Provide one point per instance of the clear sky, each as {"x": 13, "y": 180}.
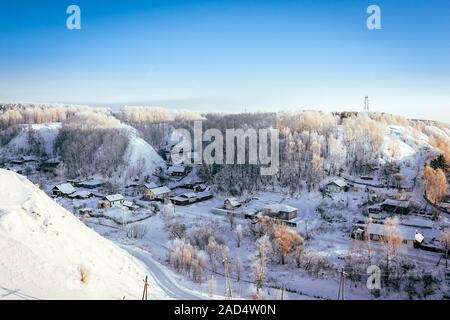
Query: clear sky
{"x": 230, "y": 55}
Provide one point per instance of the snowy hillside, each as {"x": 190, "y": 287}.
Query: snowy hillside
{"x": 140, "y": 155}
{"x": 47, "y": 253}
{"x": 46, "y": 133}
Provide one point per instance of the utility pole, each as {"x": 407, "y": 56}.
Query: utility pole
{"x": 144, "y": 294}
{"x": 341, "y": 284}
{"x": 228, "y": 292}
{"x": 366, "y": 104}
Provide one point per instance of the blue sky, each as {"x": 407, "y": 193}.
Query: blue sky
{"x": 230, "y": 55}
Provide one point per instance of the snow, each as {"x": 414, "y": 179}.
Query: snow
{"x": 65, "y": 188}
{"x": 114, "y": 197}
{"x": 140, "y": 155}
{"x": 43, "y": 249}
{"x": 47, "y": 131}
{"x": 160, "y": 190}
{"x": 278, "y": 207}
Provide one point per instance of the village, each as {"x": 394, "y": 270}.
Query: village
{"x": 337, "y": 220}
{"x": 176, "y": 186}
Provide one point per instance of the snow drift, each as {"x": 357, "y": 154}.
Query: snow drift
{"x": 47, "y": 253}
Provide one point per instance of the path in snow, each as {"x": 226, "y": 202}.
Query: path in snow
{"x": 159, "y": 274}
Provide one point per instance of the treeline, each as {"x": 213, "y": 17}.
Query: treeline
{"x": 140, "y": 114}
{"x": 29, "y": 113}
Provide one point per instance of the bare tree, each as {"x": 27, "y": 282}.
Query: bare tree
{"x": 260, "y": 259}
{"x": 238, "y": 234}
{"x": 392, "y": 241}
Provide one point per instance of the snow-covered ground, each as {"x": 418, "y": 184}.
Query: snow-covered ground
{"x": 47, "y": 253}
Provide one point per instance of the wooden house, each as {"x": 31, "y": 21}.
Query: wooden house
{"x": 62, "y": 190}
{"x": 280, "y": 211}
{"x": 158, "y": 193}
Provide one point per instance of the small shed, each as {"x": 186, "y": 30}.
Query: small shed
{"x": 130, "y": 205}
{"x": 64, "y": 189}
{"x": 231, "y": 203}
{"x": 80, "y": 194}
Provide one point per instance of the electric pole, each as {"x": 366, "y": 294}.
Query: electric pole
{"x": 144, "y": 294}
{"x": 341, "y": 284}
{"x": 366, "y": 104}
{"x": 228, "y": 292}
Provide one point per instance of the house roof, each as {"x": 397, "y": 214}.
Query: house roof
{"x": 340, "y": 183}
{"x": 129, "y": 204}
{"x": 189, "y": 195}
{"x": 278, "y": 207}
{"x": 396, "y": 203}
{"x": 81, "y": 194}
{"x": 176, "y": 168}
{"x": 233, "y": 201}
{"x": 92, "y": 182}
{"x": 52, "y": 161}
{"x": 65, "y": 188}
{"x": 114, "y": 197}
{"x": 152, "y": 185}
{"x": 29, "y": 158}
{"x": 178, "y": 198}
{"x": 380, "y": 229}
{"x": 160, "y": 190}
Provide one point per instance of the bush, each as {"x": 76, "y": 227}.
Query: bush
{"x": 84, "y": 274}
{"x": 136, "y": 231}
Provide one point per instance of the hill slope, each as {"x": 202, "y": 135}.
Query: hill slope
{"x": 45, "y": 252}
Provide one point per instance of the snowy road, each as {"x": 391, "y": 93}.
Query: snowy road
{"x": 161, "y": 276}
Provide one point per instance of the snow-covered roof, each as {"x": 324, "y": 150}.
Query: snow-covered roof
{"x": 233, "y": 201}
{"x": 152, "y": 185}
{"x": 419, "y": 237}
{"x": 160, "y": 190}
{"x": 92, "y": 182}
{"x": 65, "y": 188}
{"x": 52, "y": 161}
{"x": 189, "y": 195}
{"x": 340, "y": 183}
{"x": 81, "y": 194}
{"x": 417, "y": 222}
{"x": 176, "y": 168}
{"x": 380, "y": 229}
{"x": 278, "y": 207}
{"x": 114, "y": 197}
{"x": 29, "y": 158}
{"x": 396, "y": 203}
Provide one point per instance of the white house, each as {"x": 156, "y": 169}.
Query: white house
{"x": 114, "y": 200}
